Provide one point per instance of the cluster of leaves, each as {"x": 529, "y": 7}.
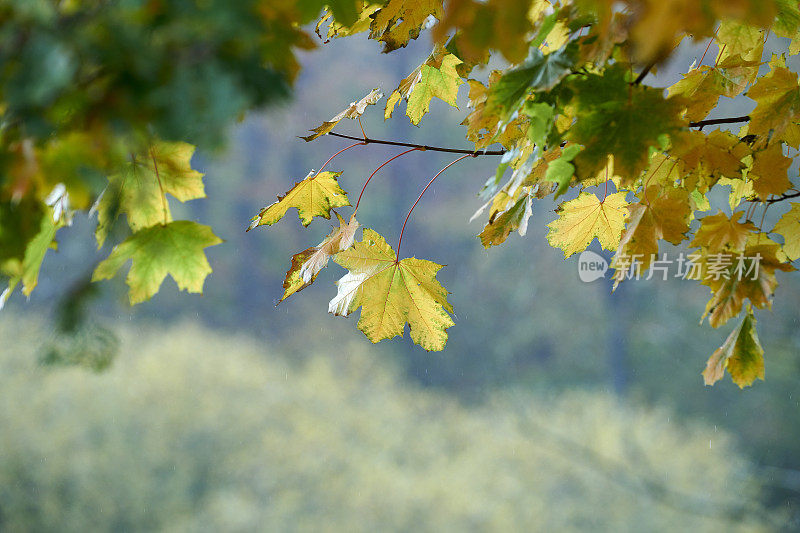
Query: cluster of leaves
{"x": 97, "y": 103}
{"x": 572, "y": 114}
{"x": 99, "y": 100}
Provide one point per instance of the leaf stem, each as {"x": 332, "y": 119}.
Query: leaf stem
{"x": 337, "y": 153}
{"x": 160, "y": 187}
{"x": 355, "y": 210}
{"x": 473, "y": 153}
{"x": 403, "y": 229}
{"x": 362, "y": 128}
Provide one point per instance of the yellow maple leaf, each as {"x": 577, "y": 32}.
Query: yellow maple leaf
{"x": 306, "y": 265}
{"x": 586, "y": 217}
{"x": 391, "y": 293}
{"x": 663, "y": 213}
{"x": 789, "y": 228}
{"x": 399, "y": 21}
{"x": 734, "y": 276}
{"x": 778, "y": 97}
{"x": 720, "y": 232}
{"x": 770, "y": 171}
{"x": 741, "y": 354}
{"x": 354, "y": 110}
{"x": 706, "y": 158}
{"x": 437, "y": 77}
{"x": 315, "y": 195}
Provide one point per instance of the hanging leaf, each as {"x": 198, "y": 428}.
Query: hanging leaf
{"x": 741, "y": 354}
{"x": 770, "y": 171}
{"x": 139, "y": 189}
{"x": 586, "y": 217}
{"x": 314, "y": 196}
{"x": 306, "y": 265}
{"x": 392, "y": 293}
{"x": 789, "y": 228}
{"x": 354, "y": 110}
{"x": 175, "y": 249}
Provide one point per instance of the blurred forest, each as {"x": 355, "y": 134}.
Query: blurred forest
{"x": 289, "y": 417}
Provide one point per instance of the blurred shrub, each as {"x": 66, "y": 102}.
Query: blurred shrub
{"x": 196, "y": 431}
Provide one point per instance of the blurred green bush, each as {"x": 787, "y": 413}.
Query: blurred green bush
{"x": 196, "y": 431}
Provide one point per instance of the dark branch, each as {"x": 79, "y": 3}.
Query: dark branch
{"x": 711, "y": 122}
{"x": 473, "y": 153}
{"x": 783, "y": 197}
{"x": 643, "y": 74}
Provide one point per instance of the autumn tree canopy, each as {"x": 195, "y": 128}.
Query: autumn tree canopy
{"x": 102, "y": 103}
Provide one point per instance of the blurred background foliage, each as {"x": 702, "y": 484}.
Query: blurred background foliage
{"x": 199, "y": 431}
{"x": 557, "y": 405}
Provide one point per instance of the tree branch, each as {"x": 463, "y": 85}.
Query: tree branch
{"x": 710, "y": 122}
{"x": 423, "y": 147}
{"x": 643, "y": 74}
{"x": 783, "y": 197}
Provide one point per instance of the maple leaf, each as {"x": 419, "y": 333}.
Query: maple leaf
{"x": 778, "y": 105}
{"x": 662, "y": 213}
{"x": 701, "y": 87}
{"x": 408, "y": 83}
{"x": 337, "y": 28}
{"x": 719, "y": 232}
{"x": 539, "y": 72}
{"x": 494, "y": 24}
{"x": 770, "y": 171}
{"x": 614, "y": 117}
{"x": 391, "y": 293}
{"x": 484, "y": 126}
{"x": 175, "y": 248}
{"x": 741, "y": 354}
{"x": 400, "y": 21}
{"x": 306, "y": 265}
{"x": 586, "y": 217}
{"x": 313, "y": 196}
{"x": 430, "y": 81}
{"x": 789, "y": 228}
{"x": 515, "y": 218}
{"x": 737, "y": 38}
{"x": 354, "y": 110}
{"x": 139, "y": 189}
{"x": 706, "y": 158}
{"x": 735, "y": 276}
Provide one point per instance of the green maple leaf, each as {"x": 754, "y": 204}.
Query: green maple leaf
{"x": 139, "y": 189}
{"x": 442, "y": 83}
{"x": 391, "y": 293}
{"x": 175, "y": 249}
{"x": 539, "y": 72}
{"x": 617, "y": 118}
{"x": 741, "y": 354}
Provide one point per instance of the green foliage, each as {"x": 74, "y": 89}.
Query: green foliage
{"x": 339, "y": 443}
{"x": 115, "y": 90}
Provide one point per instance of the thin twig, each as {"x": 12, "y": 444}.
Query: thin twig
{"x": 780, "y": 198}
{"x": 643, "y": 74}
{"x": 355, "y": 210}
{"x": 400, "y": 240}
{"x": 473, "y": 153}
